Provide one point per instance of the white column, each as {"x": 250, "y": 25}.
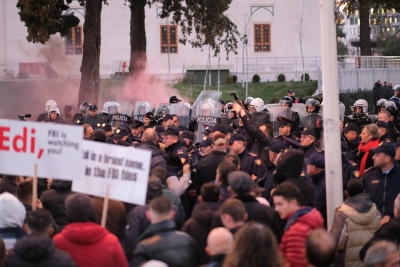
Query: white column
{"x": 330, "y": 88}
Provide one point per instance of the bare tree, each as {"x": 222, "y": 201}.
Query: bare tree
{"x": 303, "y": 30}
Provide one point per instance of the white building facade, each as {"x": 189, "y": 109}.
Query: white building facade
{"x": 276, "y": 30}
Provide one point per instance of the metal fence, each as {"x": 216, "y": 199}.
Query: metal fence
{"x": 363, "y": 79}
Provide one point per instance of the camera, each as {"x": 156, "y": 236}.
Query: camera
{"x": 22, "y": 117}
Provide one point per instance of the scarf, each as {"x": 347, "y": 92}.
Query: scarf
{"x": 365, "y": 148}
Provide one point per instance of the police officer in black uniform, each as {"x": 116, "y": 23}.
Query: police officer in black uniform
{"x": 92, "y": 118}
{"x": 285, "y": 133}
{"x": 349, "y": 167}
{"x": 82, "y": 112}
{"x": 382, "y": 181}
{"x": 249, "y": 162}
{"x": 307, "y": 141}
{"x": 384, "y": 134}
{"x": 173, "y": 145}
{"x": 193, "y": 151}
{"x": 351, "y": 137}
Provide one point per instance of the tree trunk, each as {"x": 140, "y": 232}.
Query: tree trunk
{"x": 138, "y": 61}
{"x": 365, "y": 39}
{"x": 90, "y": 79}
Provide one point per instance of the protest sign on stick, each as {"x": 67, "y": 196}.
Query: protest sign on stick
{"x": 56, "y": 149}
{"x": 124, "y": 170}
{"x": 105, "y": 208}
{"x": 34, "y": 188}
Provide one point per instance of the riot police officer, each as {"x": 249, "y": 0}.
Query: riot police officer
{"x": 92, "y": 118}
{"x": 173, "y": 145}
{"x": 287, "y": 102}
{"x": 82, "y": 112}
{"x": 249, "y": 162}
{"x": 285, "y": 136}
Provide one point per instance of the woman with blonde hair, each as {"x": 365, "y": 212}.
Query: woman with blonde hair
{"x": 255, "y": 246}
{"x": 369, "y": 139}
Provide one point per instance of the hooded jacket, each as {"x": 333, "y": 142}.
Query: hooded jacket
{"x": 199, "y": 226}
{"x": 89, "y": 245}
{"x": 53, "y": 200}
{"x": 11, "y": 220}
{"x": 34, "y": 250}
{"x": 157, "y": 156}
{"x": 354, "y": 223}
{"x": 299, "y": 225}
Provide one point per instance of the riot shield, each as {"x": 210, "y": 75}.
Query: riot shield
{"x": 277, "y": 111}
{"x": 123, "y": 115}
{"x": 299, "y": 108}
{"x": 342, "y": 109}
{"x": 208, "y": 114}
{"x": 182, "y": 111}
{"x": 261, "y": 118}
{"x": 141, "y": 108}
{"x": 162, "y": 109}
{"x": 311, "y": 120}
{"x": 204, "y": 95}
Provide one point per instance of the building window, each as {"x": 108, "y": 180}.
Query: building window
{"x": 169, "y": 39}
{"x": 73, "y": 41}
{"x": 262, "y": 38}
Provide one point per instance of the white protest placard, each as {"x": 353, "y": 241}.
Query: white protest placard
{"x": 56, "y": 149}
{"x": 125, "y": 170}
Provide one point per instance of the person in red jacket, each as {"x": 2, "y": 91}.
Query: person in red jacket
{"x": 300, "y": 222}
{"x": 88, "y": 243}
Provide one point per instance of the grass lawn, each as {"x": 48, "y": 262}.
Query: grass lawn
{"x": 266, "y": 91}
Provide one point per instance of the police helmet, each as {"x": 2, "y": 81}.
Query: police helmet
{"x": 381, "y": 103}
{"x": 49, "y": 104}
{"x": 397, "y": 88}
{"x": 286, "y": 100}
{"x": 247, "y": 101}
{"x": 84, "y": 106}
{"x": 363, "y": 104}
{"x": 54, "y": 109}
{"x": 312, "y": 102}
{"x": 257, "y": 103}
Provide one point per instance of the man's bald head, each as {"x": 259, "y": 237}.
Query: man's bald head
{"x": 150, "y": 135}
{"x": 219, "y": 241}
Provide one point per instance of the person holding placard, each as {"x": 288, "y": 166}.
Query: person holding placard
{"x": 89, "y": 244}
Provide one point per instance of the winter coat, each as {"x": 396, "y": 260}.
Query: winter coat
{"x": 116, "y": 216}
{"x": 262, "y": 214}
{"x": 34, "y": 250}
{"x": 162, "y": 242}
{"x": 138, "y": 223}
{"x": 318, "y": 183}
{"x": 207, "y": 168}
{"x": 89, "y": 244}
{"x": 390, "y": 231}
{"x": 157, "y": 156}
{"x": 383, "y": 188}
{"x": 199, "y": 226}
{"x": 8, "y": 186}
{"x": 299, "y": 225}
{"x": 53, "y": 200}
{"x": 354, "y": 223}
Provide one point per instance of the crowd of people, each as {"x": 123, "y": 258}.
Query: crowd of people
{"x": 248, "y": 190}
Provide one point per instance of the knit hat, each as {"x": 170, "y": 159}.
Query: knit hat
{"x": 12, "y": 211}
{"x": 79, "y": 208}
{"x": 68, "y": 108}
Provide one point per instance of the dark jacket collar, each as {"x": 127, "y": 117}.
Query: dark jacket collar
{"x": 217, "y": 258}
{"x": 246, "y": 198}
{"x": 164, "y": 226}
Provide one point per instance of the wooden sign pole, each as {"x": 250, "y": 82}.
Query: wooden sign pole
{"x": 34, "y": 188}
{"x": 105, "y": 208}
